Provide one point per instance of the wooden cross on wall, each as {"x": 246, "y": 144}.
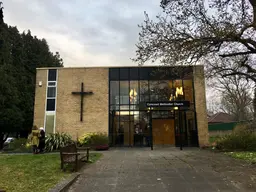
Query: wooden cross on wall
{"x": 82, "y": 93}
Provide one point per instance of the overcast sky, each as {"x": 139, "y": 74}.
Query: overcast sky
{"x": 85, "y": 32}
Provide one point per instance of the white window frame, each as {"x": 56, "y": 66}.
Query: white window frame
{"x": 46, "y": 97}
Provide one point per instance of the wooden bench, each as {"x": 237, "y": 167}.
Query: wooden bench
{"x": 70, "y": 155}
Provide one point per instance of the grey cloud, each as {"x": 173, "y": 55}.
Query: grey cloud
{"x": 103, "y": 26}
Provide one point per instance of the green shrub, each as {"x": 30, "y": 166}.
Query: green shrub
{"x": 213, "y": 139}
{"x": 93, "y": 139}
{"x": 54, "y": 141}
{"x": 248, "y": 156}
{"x": 19, "y": 145}
{"x": 240, "y": 141}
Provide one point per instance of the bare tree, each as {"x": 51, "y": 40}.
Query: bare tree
{"x": 213, "y": 105}
{"x": 221, "y": 34}
{"x": 236, "y": 96}
{"x": 211, "y": 32}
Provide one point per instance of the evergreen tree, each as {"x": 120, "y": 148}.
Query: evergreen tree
{"x": 20, "y": 55}
{"x": 1, "y": 13}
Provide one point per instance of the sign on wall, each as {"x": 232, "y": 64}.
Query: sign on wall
{"x": 169, "y": 104}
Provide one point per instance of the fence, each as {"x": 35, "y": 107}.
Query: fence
{"x": 222, "y": 128}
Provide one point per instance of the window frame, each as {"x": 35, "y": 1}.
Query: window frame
{"x": 51, "y": 83}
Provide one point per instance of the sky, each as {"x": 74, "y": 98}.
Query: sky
{"x": 84, "y": 32}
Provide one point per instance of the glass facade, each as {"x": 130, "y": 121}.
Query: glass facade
{"x": 132, "y": 123}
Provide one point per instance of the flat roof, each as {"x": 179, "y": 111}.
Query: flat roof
{"x": 129, "y": 66}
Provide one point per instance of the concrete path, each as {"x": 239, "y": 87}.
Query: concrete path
{"x": 161, "y": 170}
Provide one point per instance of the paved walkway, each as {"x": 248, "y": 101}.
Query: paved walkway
{"x": 162, "y": 170}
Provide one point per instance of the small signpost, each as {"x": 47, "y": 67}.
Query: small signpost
{"x": 169, "y": 104}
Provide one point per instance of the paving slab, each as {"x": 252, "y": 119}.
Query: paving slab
{"x": 164, "y": 170}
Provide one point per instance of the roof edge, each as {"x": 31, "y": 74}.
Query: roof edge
{"x": 44, "y": 68}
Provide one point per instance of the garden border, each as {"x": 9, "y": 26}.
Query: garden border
{"x": 64, "y": 185}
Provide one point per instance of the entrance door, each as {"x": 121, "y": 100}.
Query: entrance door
{"x": 163, "y": 131}
{"x": 128, "y": 130}
{"x": 123, "y": 126}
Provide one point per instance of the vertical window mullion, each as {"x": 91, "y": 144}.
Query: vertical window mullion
{"x": 149, "y": 91}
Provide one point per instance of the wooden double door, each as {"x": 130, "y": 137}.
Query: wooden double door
{"x": 163, "y": 131}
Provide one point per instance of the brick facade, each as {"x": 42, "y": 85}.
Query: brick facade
{"x": 200, "y": 105}
{"x": 95, "y": 116}
{"x": 95, "y": 113}
{"x": 40, "y": 97}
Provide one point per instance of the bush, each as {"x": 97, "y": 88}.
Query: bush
{"x": 93, "y": 139}
{"x": 239, "y": 140}
{"x": 54, "y": 141}
{"x": 19, "y": 145}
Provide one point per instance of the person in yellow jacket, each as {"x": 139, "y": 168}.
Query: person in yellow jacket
{"x": 35, "y": 138}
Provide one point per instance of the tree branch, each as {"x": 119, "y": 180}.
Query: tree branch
{"x": 235, "y": 54}
{"x": 253, "y": 3}
{"x": 240, "y": 73}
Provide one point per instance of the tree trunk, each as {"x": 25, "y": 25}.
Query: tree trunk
{"x": 2, "y": 140}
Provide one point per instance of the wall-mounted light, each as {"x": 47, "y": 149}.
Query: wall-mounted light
{"x": 40, "y": 83}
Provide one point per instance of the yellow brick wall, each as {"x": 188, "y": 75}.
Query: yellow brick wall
{"x": 200, "y": 105}
{"x": 95, "y": 115}
{"x": 40, "y": 96}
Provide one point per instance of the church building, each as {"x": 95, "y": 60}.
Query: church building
{"x": 135, "y": 106}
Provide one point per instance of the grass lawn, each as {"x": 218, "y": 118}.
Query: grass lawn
{"x": 32, "y": 172}
{"x": 248, "y": 156}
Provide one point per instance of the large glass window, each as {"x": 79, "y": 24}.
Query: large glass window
{"x": 144, "y": 73}
{"x": 114, "y": 92}
{"x": 134, "y": 73}
{"x": 191, "y": 129}
{"x": 154, "y": 90}
{"x": 124, "y": 73}
{"x": 51, "y": 92}
{"x": 50, "y": 105}
{"x": 134, "y": 92}
{"x": 52, "y": 74}
{"x": 114, "y": 73}
{"x": 160, "y": 90}
{"x": 144, "y": 91}
{"x": 131, "y": 88}
{"x": 49, "y": 123}
{"x": 178, "y": 89}
{"x": 124, "y": 92}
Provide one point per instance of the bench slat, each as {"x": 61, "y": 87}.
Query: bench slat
{"x": 70, "y": 154}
